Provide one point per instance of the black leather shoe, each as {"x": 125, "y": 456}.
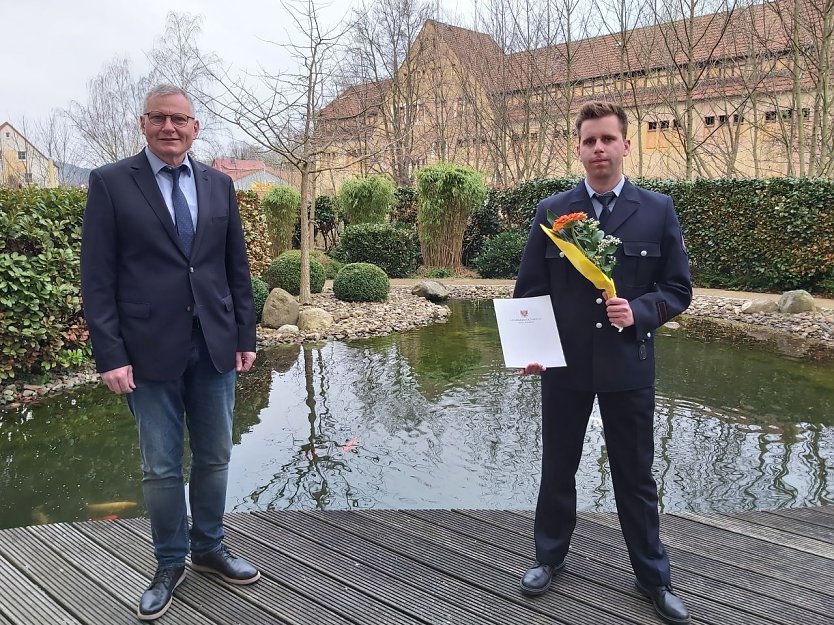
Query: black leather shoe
{"x": 667, "y": 605}
{"x": 157, "y": 598}
{"x": 231, "y": 568}
{"x": 537, "y": 579}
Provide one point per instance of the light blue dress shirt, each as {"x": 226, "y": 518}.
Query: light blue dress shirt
{"x": 166, "y": 184}
{"x": 596, "y": 203}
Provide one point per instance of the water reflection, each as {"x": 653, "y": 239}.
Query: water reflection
{"x": 430, "y": 418}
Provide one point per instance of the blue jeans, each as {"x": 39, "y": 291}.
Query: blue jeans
{"x": 203, "y": 399}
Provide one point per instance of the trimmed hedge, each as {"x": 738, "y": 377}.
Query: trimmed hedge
{"x": 501, "y": 257}
{"x": 361, "y": 282}
{"x": 260, "y": 291}
{"x": 41, "y": 325}
{"x": 285, "y": 273}
{"x": 395, "y": 250}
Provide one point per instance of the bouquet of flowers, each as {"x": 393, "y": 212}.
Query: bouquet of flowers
{"x": 587, "y": 247}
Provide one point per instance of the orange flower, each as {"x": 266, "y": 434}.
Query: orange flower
{"x": 568, "y": 220}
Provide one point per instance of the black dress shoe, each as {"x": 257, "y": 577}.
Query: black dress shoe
{"x": 668, "y": 606}
{"x": 231, "y": 568}
{"x": 157, "y": 598}
{"x": 537, "y": 579}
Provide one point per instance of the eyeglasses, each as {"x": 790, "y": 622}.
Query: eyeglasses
{"x": 158, "y": 119}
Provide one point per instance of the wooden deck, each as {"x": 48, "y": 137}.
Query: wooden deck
{"x": 455, "y": 567}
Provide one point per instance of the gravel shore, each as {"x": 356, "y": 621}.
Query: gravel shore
{"x": 803, "y": 335}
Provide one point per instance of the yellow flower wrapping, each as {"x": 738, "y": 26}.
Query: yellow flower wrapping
{"x": 582, "y": 264}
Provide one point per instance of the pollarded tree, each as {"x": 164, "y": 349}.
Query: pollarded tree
{"x": 280, "y": 207}
{"x": 366, "y": 199}
{"x": 447, "y": 195}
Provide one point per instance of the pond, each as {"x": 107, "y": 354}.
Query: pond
{"x": 431, "y": 419}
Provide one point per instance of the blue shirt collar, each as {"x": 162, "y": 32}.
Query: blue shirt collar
{"x": 157, "y": 163}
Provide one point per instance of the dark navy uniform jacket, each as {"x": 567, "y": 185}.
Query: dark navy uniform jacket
{"x": 140, "y": 289}
{"x": 652, "y": 273}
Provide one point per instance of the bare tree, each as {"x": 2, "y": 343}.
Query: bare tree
{"x": 107, "y": 123}
{"x": 56, "y": 137}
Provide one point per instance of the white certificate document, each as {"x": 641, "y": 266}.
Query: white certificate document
{"x": 528, "y": 332}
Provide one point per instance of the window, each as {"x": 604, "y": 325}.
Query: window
{"x": 664, "y": 125}
{"x": 27, "y": 177}
{"x": 709, "y": 120}
{"x": 21, "y": 155}
{"x": 652, "y": 126}
{"x": 534, "y": 136}
{"x": 675, "y": 123}
{"x": 770, "y": 116}
{"x": 787, "y": 114}
{"x": 738, "y": 119}
{"x": 722, "y": 119}
{"x": 806, "y": 113}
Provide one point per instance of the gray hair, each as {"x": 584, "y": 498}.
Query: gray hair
{"x": 167, "y": 89}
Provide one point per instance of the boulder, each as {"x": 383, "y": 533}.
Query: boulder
{"x": 431, "y": 290}
{"x": 280, "y": 308}
{"x": 796, "y": 302}
{"x": 314, "y": 320}
{"x": 288, "y": 329}
{"x": 759, "y": 306}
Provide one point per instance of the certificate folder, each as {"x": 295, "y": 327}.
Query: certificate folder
{"x": 528, "y": 332}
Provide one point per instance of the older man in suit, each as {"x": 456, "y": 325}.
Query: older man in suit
{"x": 168, "y": 300}
{"x": 616, "y": 367}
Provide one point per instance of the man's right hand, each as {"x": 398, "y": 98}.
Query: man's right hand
{"x": 120, "y": 380}
{"x": 532, "y": 368}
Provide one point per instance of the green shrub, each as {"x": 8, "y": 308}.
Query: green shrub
{"x": 437, "y": 272}
{"x": 281, "y": 206}
{"x": 41, "y": 323}
{"x": 330, "y": 264}
{"x": 501, "y": 257}
{"x": 392, "y": 249}
{"x": 366, "y": 199}
{"x": 448, "y": 194}
{"x": 327, "y": 220}
{"x": 405, "y": 208}
{"x": 260, "y": 291}
{"x": 285, "y": 273}
{"x": 484, "y": 223}
{"x": 517, "y": 205}
{"x": 361, "y": 282}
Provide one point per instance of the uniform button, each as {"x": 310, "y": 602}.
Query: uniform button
{"x": 188, "y": 308}
{"x": 191, "y": 269}
{"x": 642, "y": 252}
{"x": 599, "y": 300}
{"x": 561, "y": 254}
{"x": 599, "y": 325}
{"x": 649, "y": 334}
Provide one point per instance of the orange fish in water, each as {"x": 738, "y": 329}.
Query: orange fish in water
{"x": 109, "y": 517}
{"x": 350, "y": 445}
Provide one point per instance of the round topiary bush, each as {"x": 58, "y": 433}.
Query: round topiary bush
{"x": 501, "y": 257}
{"x": 285, "y": 273}
{"x": 260, "y": 291}
{"x": 361, "y": 282}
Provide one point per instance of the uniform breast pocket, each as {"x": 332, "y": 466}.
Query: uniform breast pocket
{"x": 638, "y": 263}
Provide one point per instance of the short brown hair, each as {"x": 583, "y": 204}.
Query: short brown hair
{"x": 597, "y": 109}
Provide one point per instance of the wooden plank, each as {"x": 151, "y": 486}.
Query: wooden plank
{"x": 588, "y": 534}
{"x": 495, "y": 576}
{"x": 790, "y": 524}
{"x": 815, "y": 516}
{"x": 3, "y": 619}
{"x": 767, "y": 534}
{"x": 117, "y": 577}
{"x": 86, "y": 600}
{"x": 488, "y": 605}
{"x": 24, "y": 603}
{"x": 701, "y": 592}
{"x": 419, "y": 605}
{"x": 264, "y": 602}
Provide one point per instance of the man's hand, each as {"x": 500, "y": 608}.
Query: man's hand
{"x": 120, "y": 380}
{"x": 244, "y": 361}
{"x": 532, "y": 369}
{"x": 619, "y": 311}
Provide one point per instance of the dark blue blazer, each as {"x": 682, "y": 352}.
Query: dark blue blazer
{"x": 139, "y": 288}
{"x": 652, "y": 273}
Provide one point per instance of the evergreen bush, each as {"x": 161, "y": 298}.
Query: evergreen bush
{"x": 392, "y": 249}
{"x": 260, "y": 291}
{"x": 500, "y": 257}
{"x": 285, "y": 273}
{"x": 361, "y": 282}
{"x": 281, "y": 206}
{"x": 366, "y": 199}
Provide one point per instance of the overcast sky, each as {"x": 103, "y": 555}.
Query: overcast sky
{"x": 51, "y": 48}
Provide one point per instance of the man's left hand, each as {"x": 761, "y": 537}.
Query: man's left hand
{"x": 244, "y": 361}
{"x": 619, "y": 312}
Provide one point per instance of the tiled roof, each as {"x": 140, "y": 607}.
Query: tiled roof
{"x": 356, "y": 99}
